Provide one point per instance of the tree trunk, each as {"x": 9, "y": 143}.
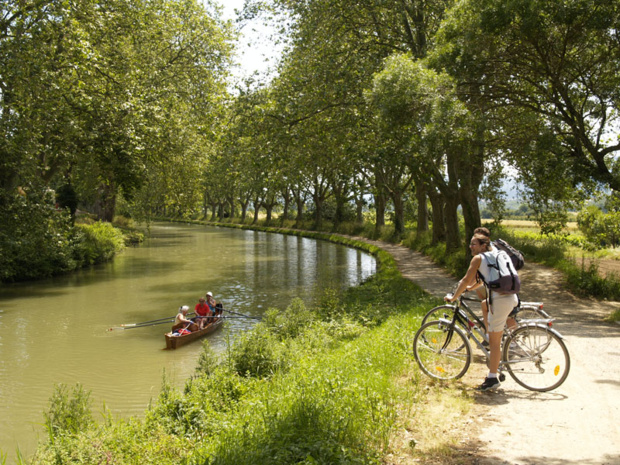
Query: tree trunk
{"x": 399, "y": 213}
{"x": 422, "y": 217}
{"x": 439, "y": 228}
{"x": 453, "y": 239}
{"x": 359, "y": 208}
{"x": 105, "y": 205}
{"x": 286, "y": 196}
{"x": 471, "y": 211}
{"x": 204, "y": 205}
{"x": 231, "y": 203}
{"x": 257, "y": 204}
{"x": 471, "y": 175}
{"x": 380, "y": 205}
{"x": 300, "y": 201}
{"x": 318, "y": 210}
{"x": 244, "y": 208}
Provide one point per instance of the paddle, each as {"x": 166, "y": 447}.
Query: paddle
{"x": 147, "y": 322}
{"x": 241, "y": 314}
{"x": 144, "y": 324}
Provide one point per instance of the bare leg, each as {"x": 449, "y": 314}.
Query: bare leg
{"x": 495, "y": 342}
{"x": 485, "y": 315}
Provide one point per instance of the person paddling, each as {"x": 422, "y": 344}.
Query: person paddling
{"x": 203, "y": 313}
{"x": 213, "y": 305}
{"x": 182, "y": 322}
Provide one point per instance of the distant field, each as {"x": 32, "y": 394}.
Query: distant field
{"x": 528, "y": 224}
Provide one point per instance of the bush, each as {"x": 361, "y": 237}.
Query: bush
{"x": 258, "y": 353}
{"x": 39, "y": 241}
{"x": 97, "y": 243}
{"x": 35, "y": 239}
{"x": 291, "y": 322}
{"x": 602, "y": 229}
{"x": 68, "y": 414}
{"x": 586, "y": 280}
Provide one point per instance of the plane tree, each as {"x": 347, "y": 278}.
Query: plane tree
{"x": 556, "y": 59}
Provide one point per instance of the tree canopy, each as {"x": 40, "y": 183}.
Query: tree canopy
{"x": 415, "y": 109}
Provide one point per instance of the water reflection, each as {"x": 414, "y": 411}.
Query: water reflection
{"x": 54, "y": 331}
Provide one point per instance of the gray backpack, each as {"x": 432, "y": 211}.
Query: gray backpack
{"x": 503, "y": 277}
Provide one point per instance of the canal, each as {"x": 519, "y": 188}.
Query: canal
{"x": 57, "y": 331}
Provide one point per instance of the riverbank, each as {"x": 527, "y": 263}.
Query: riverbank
{"x": 351, "y": 357}
{"x": 323, "y": 384}
{"x": 63, "y": 246}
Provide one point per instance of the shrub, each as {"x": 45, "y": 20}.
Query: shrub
{"x": 68, "y": 414}
{"x": 97, "y": 243}
{"x": 291, "y": 322}
{"x": 258, "y": 353}
{"x": 35, "y": 239}
{"x": 586, "y": 280}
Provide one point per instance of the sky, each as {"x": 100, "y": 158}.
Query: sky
{"x": 256, "y": 52}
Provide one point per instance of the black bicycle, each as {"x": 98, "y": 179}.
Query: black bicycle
{"x": 524, "y": 312}
{"x": 534, "y": 354}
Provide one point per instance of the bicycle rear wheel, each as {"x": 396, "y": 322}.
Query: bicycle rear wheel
{"x": 536, "y": 358}
{"x": 442, "y": 350}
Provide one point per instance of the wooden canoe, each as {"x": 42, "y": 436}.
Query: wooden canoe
{"x": 172, "y": 342}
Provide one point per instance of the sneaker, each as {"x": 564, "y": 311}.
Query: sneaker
{"x": 490, "y": 384}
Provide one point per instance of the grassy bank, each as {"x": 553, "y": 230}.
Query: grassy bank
{"x": 331, "y": 384}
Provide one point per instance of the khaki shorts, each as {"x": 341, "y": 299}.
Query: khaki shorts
{"x": 501, "y": 307}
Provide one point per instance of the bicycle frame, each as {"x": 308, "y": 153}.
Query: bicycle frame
{"x": 472, "y": 323}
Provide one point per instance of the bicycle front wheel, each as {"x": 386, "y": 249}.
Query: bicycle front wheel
{"x": 536, "y": 358}
{"x": 443, "y": 311}
{"x": 442, "y": 350}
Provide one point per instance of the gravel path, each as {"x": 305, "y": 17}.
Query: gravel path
{"x": 578, "y": 423}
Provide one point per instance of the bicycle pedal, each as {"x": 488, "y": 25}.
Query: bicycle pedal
{"x": 502, "y": 377}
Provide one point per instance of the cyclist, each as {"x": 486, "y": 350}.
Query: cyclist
{"x": 500, "y": 306}
{"x": 481, "y": 291}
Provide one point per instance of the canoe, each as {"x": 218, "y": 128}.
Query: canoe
{"x": 172, "y": 342}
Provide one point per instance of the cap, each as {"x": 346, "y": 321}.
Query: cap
{"x": 184, "y": 308}
{"x": 209, "y": 294}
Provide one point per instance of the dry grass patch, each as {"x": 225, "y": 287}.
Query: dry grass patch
{"x": 439, "y": 426}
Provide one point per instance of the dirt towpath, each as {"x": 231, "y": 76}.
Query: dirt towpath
{"x": 578, "y": 423}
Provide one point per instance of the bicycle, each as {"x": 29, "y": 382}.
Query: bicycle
{"x": 524, "y": 312}
{"x": 533, "y": 354}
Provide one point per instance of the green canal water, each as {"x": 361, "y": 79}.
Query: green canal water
{"x": 57, "y": 331}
